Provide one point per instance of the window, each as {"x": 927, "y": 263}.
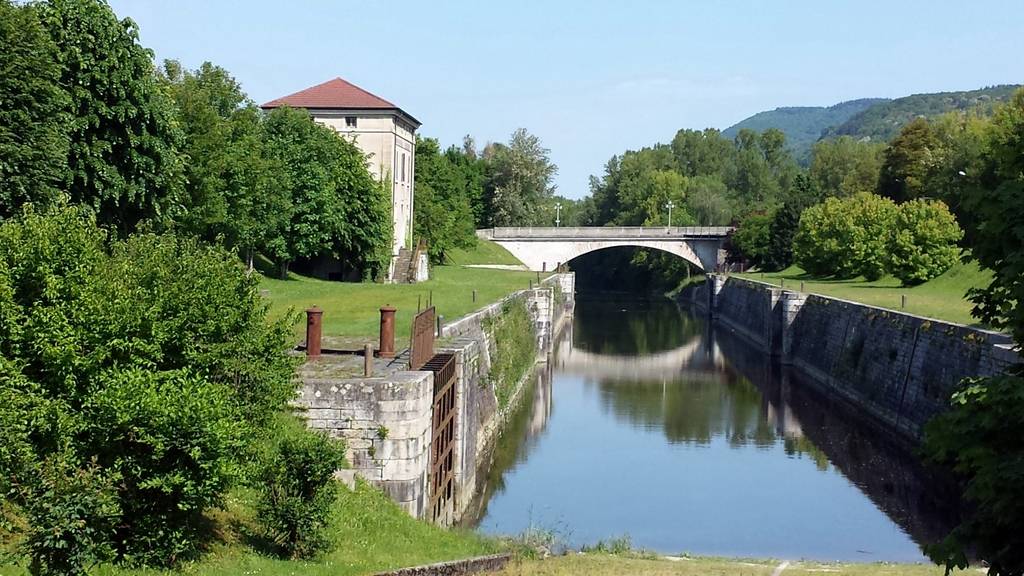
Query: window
{"x": 350, "y": 121}
{"x": 403, "y": 166}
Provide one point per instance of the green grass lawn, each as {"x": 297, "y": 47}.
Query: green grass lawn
{"x": 351, "y": 310}
{"x": 941, "y": 298}
{"x": 485, "y": 252}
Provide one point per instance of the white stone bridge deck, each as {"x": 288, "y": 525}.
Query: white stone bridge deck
{"x": 544, "y": 248}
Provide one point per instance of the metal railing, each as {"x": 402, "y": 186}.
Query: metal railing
{"x": 604, "y": 232}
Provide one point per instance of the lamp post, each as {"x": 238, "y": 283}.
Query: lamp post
{"x": 558, "y": 214}
{"x": 670, "y": 205}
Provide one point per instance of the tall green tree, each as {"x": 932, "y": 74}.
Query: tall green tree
{"x": 233, "y": 192}
{"x": 337, "y": 208}
{"x": 122, "y": 159}
{"x": 844, "y": 166}
{"x": 443, "y": 212}
{"x": 33, "y": 111}
{"x": 980, "y": 436}
{"x": 519, "y": 180}
{"x": 908, "y": 161}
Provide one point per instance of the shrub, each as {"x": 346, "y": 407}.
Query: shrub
{"x": 138, "y": 356}
{"x": 71, "y": 516}
{"x": 298, "y": 490}
{"x": 845, "y": 237}
{"x": 171, "y": 437}
{"x": 923, "y": 241}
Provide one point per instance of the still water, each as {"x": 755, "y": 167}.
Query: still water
{"x": 649, "y": 424}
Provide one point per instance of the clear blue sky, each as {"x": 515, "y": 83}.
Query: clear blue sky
{"x": 593, "y": 78}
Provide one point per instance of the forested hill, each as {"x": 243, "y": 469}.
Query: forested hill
{"x": 876, "y": 119}
{"x": 883, "y": 121}
{"x": 804, "y": 125}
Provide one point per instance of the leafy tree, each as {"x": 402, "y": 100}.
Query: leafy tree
{"x": 923, "y": 241}
{"x": 908, "y": 160}
{"x": 980, "y": 435}
{"x": 519, "y": 180}
{"x": 752, "y": 237}
{"x": 33, "y": 111}
{"x": 232, "y": 190}
{"x": 443, "y": 213}
{"x": 704, "y": 153}
{"x": 844, "y": 166}
{"x": 707, "y": 198}
{"x": 786, "y": 220}
{"x": 337, "y": 209}
{"x": 122, "y": 160}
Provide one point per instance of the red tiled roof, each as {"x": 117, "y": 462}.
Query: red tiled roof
{"x": 336, "y": 93}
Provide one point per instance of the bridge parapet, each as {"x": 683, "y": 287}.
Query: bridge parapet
{"x": 603, "y": 232}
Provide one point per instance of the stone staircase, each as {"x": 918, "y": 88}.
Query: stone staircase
{"x": 403, "y": 266}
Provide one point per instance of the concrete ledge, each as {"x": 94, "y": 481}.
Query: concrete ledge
{"x": 476, "y": 565}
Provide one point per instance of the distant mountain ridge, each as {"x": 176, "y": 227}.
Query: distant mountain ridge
{"x": 803, "y": 125}
{"x": 877, "y": 119}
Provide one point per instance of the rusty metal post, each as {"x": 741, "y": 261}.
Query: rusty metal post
{"x": 314, "y": 316}
{"x": 387, "y": 331}
{"x": 368, "y": 360}
{"x": 440, "y": 325}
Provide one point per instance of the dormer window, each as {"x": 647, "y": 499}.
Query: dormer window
{"x": 350, "y": 121}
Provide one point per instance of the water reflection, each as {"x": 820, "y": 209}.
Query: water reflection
{"x": 648, "y": 422}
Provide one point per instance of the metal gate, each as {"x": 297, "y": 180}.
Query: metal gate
{"x": 442, "y": 437}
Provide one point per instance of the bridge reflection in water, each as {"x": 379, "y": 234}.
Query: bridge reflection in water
{"x": 752, "y": 460}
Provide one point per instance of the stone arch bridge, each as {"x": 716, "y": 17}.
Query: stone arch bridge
{"x": 544, "y": 248}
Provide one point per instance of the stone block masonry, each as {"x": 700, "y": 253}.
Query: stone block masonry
{"x": 386, "y": 420}
{"x": 898, "y": 368}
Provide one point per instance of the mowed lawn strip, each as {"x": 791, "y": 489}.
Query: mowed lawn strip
{"x": 942, "y": 298}
{"x": 613, "y": 565}
{"x": 352, "y": 310}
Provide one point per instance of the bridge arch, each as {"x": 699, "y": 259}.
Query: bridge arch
{"x": 679, "y": 249}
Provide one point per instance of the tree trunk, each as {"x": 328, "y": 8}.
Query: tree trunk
{"x": 284, "y": 269}
{"x": 249, "y": 260}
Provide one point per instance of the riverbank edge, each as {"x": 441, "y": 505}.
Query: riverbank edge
{"x": 899, "y": 369}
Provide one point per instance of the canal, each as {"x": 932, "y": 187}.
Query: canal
{"x": 650, "y": 424}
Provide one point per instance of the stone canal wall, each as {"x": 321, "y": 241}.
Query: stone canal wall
{"x": 899, "y": 368}
{"x": 386, "y": 421}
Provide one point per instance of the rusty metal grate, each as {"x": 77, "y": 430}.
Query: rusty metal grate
{"x": 422, "y": 340}
{"x": 442, "y": 438}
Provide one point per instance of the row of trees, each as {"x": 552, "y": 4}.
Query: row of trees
{"x": 460, "y": 189}
{"x": 84, "y": 113}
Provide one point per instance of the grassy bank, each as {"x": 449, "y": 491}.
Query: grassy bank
{"x": 942, "y": 298}
{"x": 351, "y": 309}
{"x": 485, "y": 252}
{"x": 598, "y": 564}
{"x": 369, "y": 532}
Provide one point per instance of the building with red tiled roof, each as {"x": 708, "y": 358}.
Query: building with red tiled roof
{"x": 382, "y": 130}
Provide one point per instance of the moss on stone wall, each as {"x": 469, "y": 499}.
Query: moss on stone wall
{"x": 514, "y": 350}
